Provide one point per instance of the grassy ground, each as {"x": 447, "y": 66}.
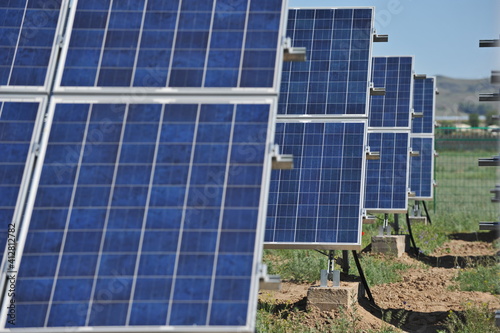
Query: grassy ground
{"x": 462, "y": 200}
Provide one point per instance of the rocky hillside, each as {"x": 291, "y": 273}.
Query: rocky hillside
{"x": 454, "y": 92}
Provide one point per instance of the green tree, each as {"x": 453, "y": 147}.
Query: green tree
{"x": 474, "y": 120}
{"x": 489, "y": 118}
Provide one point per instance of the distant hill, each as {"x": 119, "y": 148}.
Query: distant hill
{"x": 452, "y": 92}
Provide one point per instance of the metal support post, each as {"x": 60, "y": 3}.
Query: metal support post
{"x": 427, "y": 213}
{"x": 411, "y": 235}
{"x": 362, "y": 276}
{"x": 345, "y": 262}
{"x": 396, "y": 224}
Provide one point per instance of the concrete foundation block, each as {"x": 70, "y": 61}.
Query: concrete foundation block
{"x": 418, "y": 219}
{"x": 333, "y": 298}
{"x": 394, "y": 245}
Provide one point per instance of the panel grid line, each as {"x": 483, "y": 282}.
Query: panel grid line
{"x": 346, "y": 111}
{"x": 68, "y": 218}
{"x": 17, "y": 43}
{"x": 145, "y": 217}
{"x": 303, "y": 136}
{"x": 320, "y": 181}
{"x": 207, "y": 52}
{"x": 106, "y": 221}
{"x": 244, "y": 42}
{"x": 219, "y": 227}
{"x": 139, "y": 40}
{"x": 184, "y": 210}
{"x": 103, "y": 42}
{"x": 340, "y": 185}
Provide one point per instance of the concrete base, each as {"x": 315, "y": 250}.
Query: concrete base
{"x": 333, "y": 298}
{"x": 418, "y": 219}
{"x": 394, "y": 245}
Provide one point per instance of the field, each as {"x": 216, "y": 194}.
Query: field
{"x": 452, "y": 286}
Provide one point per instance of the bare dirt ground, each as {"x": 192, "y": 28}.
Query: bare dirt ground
{"x": 422, "y": 301}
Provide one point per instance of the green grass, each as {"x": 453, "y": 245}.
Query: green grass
{"x": 295, "y": 265}
{"x": 475, "y": 319}
{"x": 269, "y": 322}
{"x": 462, "y": 197}
{"x": 291, "y": 320}
{"x": 380, "y": 270}
{"x": 480, "y": 278}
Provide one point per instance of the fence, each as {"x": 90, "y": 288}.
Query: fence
{"x": 463, "y": 186}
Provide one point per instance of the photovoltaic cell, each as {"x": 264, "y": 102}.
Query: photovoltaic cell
{"x": 334, "y": 79}
{"x": 422, "y": 168}
{"x": 387, "y": 178}
{"x": 146, "y": 214}
{"x": 423, "y": 102}
{"x": 28, "y": 29}
{"x": 175, "y": 43}
{"x": 318, "y": 203}
{"x": 395, "y": 74}
{"x": 17, "y": 124}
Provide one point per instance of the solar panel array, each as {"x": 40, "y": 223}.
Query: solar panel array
{"x": 142, "y": 210}
{"x": 157, "y": 204}
{"x": 387, "y": 177}
{"x": 173, "y": 44}
{"x": 318, "y": 203}
{"x": 334, "y": 80}
{"x": 422, "y": 168}
{"x": 422, "y": 138}
{"x": 28, "y": 37}
{"x": 424, "y": 103}
{"x": 395, "y": 74}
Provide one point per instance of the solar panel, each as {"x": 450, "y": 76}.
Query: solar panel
{"x": 28, "y": 37}
{"x": 424, "y": 103}
{"x": 334, "y": 79}
{"x": 422, "y": 168}
{"x": 387, "y": 178}
{"x": 395, "y": 74}
{"x": 318, "y": 203}
{"x": 173, "y": 44}
{"x": 147, "y": 215}
{"x": 18, "y": 132}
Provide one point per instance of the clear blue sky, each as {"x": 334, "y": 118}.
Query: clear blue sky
{"x": 443, "y": 35}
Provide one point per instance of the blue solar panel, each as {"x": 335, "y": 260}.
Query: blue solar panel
{"x": 395, "y": 74}
{"x": 318, "y": 203}
{"x": 146, "y": 214}
{"x": 424, "y": 102}
{"x": 174, "y": 43}
{"x": 28, "y": 29}
{"x": 17, "y": 124}
{"x": 387, "y": 178}
{"x": 334, "y": 79}
{"x": 422, "y": 168}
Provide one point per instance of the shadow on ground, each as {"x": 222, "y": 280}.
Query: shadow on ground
{"x": 408, "y": 320}
{"x": 476, "y": 236}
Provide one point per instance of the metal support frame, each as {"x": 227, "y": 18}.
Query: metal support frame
{"x": 395, "y": 226}
{"x": 411, "y": 235}
{"x": 489, "y": 43}
{"x": 489, "y": 97}
{"x": 380, "y": 38}
{"x": 363, "y": 278}
{"x": 427, "y": 213}
{"x": 345, "y": 262}
{"x": 494, "y": 161}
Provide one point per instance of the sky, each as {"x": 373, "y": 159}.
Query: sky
{"x": 443, "y": 35}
